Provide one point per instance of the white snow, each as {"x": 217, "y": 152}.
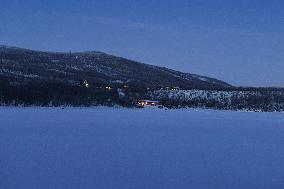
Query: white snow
{"x": 120, "y": 92}
{"x": 140, "y": 148}
{"x": 19, "y": 73}
{"x": 200, "y": 77}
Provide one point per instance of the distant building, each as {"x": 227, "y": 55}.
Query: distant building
{"x": 175, "y": 88}
{"x": 144, "y": 103}
{"x": 86, "y": 84}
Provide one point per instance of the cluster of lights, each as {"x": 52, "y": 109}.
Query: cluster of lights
{"x": 147, "y": 103}
{"x": 172, "y": 88}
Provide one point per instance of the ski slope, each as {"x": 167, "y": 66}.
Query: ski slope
{"x": 116, "y": 148}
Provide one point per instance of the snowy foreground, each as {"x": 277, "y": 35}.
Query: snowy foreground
{"x": 108, "y": 148}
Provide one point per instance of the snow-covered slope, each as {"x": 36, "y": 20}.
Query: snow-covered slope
{"x": 96, "y": 67}
{"x": 29, "y": 77}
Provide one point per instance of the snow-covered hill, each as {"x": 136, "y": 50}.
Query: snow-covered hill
{"x": 29, "y": 77}
{"x": 96, "y": 67}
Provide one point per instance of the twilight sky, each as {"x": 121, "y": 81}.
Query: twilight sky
{"x": 238, "y": 41}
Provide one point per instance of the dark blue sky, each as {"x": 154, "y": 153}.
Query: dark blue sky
{"x": 239, "y": 41}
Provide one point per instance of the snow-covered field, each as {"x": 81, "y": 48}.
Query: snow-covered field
{"x": 109, "y": 148}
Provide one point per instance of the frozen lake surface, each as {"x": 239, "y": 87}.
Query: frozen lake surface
{"x": 108, "y": 148}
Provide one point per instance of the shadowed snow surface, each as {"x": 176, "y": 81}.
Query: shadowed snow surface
{"x": 105, "y": 148}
